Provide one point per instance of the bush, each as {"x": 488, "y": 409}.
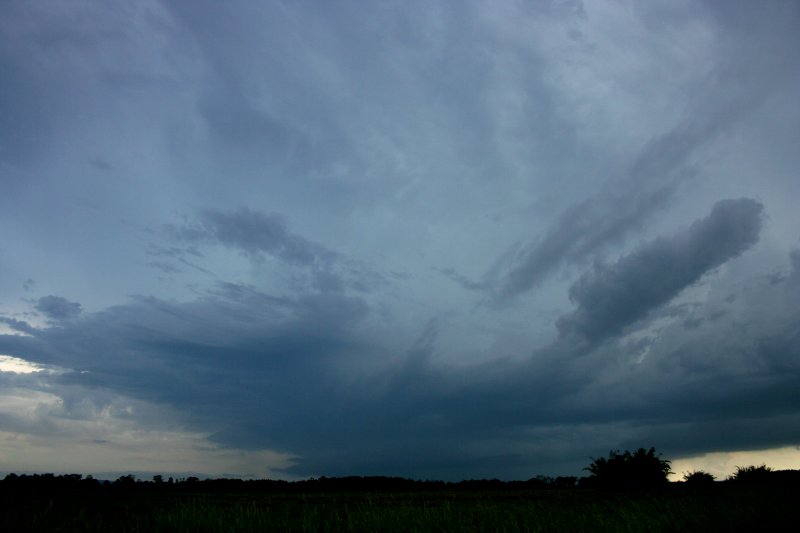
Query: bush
{"x": 752, "y": 475}
{"x": 641, "y": 469}
{"x": 698, "y": 478}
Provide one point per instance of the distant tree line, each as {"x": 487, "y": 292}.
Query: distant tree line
{"x": 641, "y": 469}
{"x": 75, "y": 482}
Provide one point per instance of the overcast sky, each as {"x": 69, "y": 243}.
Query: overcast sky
{"x": 430, "y": 239}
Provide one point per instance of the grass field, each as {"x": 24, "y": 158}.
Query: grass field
{"x": 722, "y": 508}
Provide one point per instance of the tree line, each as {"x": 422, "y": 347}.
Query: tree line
{"x": 637, "y": 470}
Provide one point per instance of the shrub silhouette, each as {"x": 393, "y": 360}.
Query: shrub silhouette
{"x": 752, "y": 475}
{"x": 640, "y": 469}
{"x": 698, "y": 478}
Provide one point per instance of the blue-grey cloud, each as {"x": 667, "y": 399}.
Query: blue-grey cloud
{"x": 581, "y": 230}
{"x": 652, "y": 180}
{"x": 463, "y": 280}
{"x": 101, "y": 164}
{"x": 610, "y": 297}
{"x": 290, "y": 374}
{"x": 58, "y": 308}
{"x": 22, "y": 102}
{"x": 17, "y": 325}
{"x": 524, "y": 145}
{"x": 586, "y": 228}
{"x": 258, "y": 234}
{"x": 255, "y": 232}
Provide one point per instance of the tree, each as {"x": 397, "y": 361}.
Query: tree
{"x": 698, "y": 478}
{"x": 640, "y": 469}
{"x": 752, "y": 475}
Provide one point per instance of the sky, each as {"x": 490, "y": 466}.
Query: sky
{"x": 430, "y": 239}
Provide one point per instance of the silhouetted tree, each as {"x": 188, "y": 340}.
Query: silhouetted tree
{"x": 698, "y": 478}
{"x": 752, "y": 475}
{"x": 640, "y": 469}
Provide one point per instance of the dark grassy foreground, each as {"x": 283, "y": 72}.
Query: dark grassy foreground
{"x": 721, "y": 507}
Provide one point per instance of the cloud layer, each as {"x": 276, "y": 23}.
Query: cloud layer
{"x": 449, "y": 239}
{"x": 294, "y": 374}
{"x": 610, "y": 297}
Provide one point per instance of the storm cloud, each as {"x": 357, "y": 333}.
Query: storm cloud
{"x": 437, "y": 240}
{"x": 254, "y": 232}
{"x": 57, "y": 307}
{"x": 266, "y": 372}
{"x": 610, "y": 297}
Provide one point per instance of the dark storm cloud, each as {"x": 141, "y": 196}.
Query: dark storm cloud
{"x": 16, "y": 325}
{"x": 58, "y": 308}
{"x": 254, "y": 232}
{"x": 581, "y": 230}
{"x": 728, "y": 383}
{"x": 400, "y": 125}
{"x": 651, "y": 181}
{"x": 288, "y": 374}
{"x": 586, "y": 227}
{"x": 236, "y": 358}
{"x": 610, "y": 297}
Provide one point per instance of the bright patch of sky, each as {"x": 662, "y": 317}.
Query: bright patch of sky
{"x": 15, "y": 365}
{"x": 722, "y": 465}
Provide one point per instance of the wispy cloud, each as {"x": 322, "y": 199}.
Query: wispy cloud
{"x": 255, "y": 232}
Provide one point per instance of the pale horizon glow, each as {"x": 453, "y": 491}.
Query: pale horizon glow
{"x": 143, "y": 453}
{"x": 722, "y": 465}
